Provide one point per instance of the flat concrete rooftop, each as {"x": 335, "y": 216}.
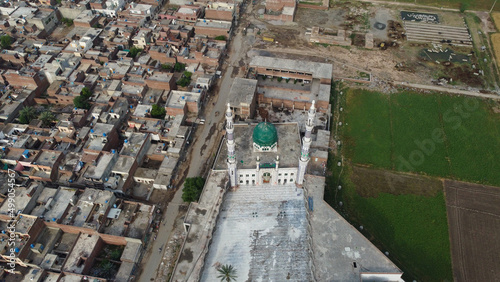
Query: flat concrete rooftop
{"x": 242, "y": 91}
{"x": 318, "y": 70}
{"x": 262, "y": 232}
{"x": 288, "y": 147}
{"x": 337, "y": 244}
{"x": 202, "y": 219}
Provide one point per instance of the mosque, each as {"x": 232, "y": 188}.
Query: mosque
{"x": 270, "y": 155}
{"x": 261, "y": 213}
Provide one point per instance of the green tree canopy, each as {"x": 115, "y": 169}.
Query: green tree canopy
{"x": 81, "y": 102}
{"x": 47, "y": 117}
{"x": 6, "y": 41}
{"x": 27, "y": 114}
{"x": 185, "y": 79}
{"x": 192, "y": 189}
{"x": 179, "y": 67}
{"x": 227, "y": 273}
{"x": 166, "y": 66}
{"x": 158, "y": 111}
{"x": 86, "y": 93}
{"x": 134, "y": 51}
{"x": 220, "y": 37}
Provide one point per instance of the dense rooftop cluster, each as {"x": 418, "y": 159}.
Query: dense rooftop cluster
{"x": 98, "y": 99}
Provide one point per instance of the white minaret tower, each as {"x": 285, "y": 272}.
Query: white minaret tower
{"x": 231, "y": 156}
{"x": 306, "y": 143}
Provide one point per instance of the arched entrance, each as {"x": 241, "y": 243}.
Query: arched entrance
{"x": 266, "y": 177}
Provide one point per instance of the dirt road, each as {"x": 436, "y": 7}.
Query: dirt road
{"x": 203, "y": 145}
{"x": 447, "y": 90}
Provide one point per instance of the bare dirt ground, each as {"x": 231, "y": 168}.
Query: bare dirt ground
{"x": 474, "y": 222}
{"x": 404, "y": 62}
{"x": 370, "y": 182}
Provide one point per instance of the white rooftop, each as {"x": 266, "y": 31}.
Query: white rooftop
{"x": 262, "y": 233}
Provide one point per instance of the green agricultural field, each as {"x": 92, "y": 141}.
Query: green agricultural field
{"x": 440, "y": 135}
{"x": 410, "y": 223}
{"x": 457, "y": 4}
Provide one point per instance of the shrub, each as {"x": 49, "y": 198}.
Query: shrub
{"x": 463, "y": 7}
{"x": 68, "y": 22}
{"x": 134, "y": 51}
{"x": 6, "y": 41}
{"x": 158, "y": 111}
{"x": 185, "y": 79}
{"x": 192, "y": 189}
{"x": 179, "y": 67}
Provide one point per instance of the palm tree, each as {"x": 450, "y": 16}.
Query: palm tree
{"x": 227, "y": 272}
{"x": 27, "y": 114}
{"x": 47, "y": 117}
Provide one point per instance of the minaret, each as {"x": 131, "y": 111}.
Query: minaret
{"x": 306, "y": 143}
{"x": 231, "y": 157}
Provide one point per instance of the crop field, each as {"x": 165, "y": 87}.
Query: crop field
{"x": 495, "y": 40}
{"x": 402, "y": 214}
{"x": 474, "y": 226}
{"x": 469, "y": 4}
{"x": 435, "y": 134}
{"x": 496, "y": 19}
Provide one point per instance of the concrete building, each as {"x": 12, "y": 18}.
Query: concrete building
{"x": 243, "y": 97}
{"x": 223, "y": 11}
{"x": 283, "y": 10}
{"x": 213, "y": 28}
{"x": 292, "y": 84}
{"x": 142, "y": 38}
{"x": 86, "y": 19}
{"x": 329, "y": 36}
{"x": 188, "y": 14}
{"x": 182, "y": 102}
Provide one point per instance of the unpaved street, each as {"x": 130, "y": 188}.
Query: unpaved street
{"x": 204, "y": 144}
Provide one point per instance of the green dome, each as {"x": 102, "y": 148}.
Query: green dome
{"x": 265, "y": 134}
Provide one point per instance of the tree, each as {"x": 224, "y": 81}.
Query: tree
{"x": 86, "y": 93}
{"x": 68, "y": 22}
{"x": 179, "y": 67}
{"x": 134, "y": 51}
{"x": 5, "y": 41}
{"x": 185, "y": 79}
{"x": 192, "y": 189}
{"x": 227, "y": 273}
{"x": 166, "y": 66}
{"x": 81, "y": 102}
{"x": 27, "y": 114}
{"x": 47, "y": 118}
{"x": 158, "y": 112}
{"x": 220, "y": 37}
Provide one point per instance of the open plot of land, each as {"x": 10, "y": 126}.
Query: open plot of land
{"x": 435, "y": 134}
{"x": 474, "y": 220}
{"x": 404, "y": 60}
{"x": 370, "y": 182}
